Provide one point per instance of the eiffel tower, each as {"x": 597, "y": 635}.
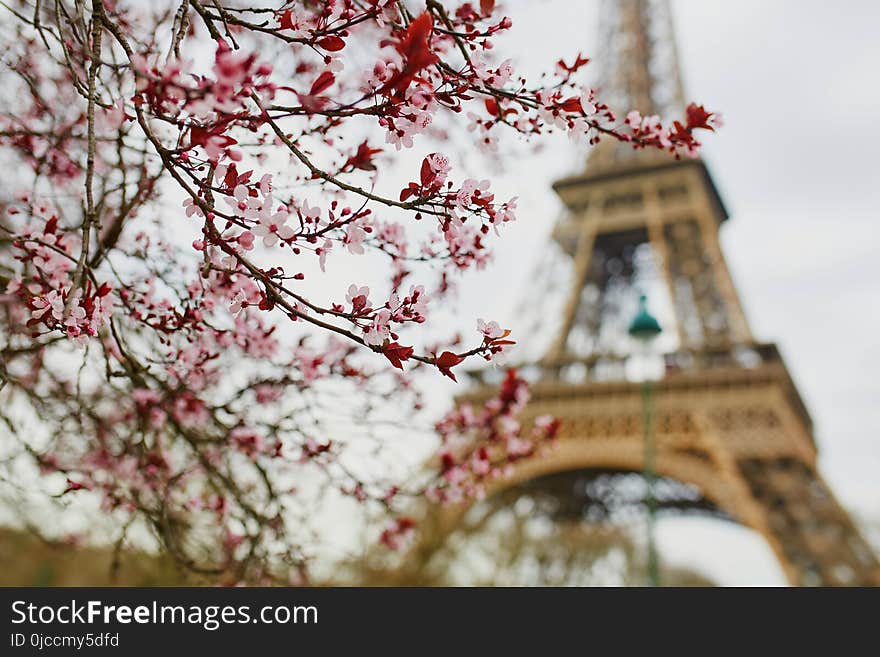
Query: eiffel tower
{"x": 733, "y": 436}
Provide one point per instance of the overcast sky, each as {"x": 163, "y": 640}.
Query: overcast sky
{"x": 797, "y": 165}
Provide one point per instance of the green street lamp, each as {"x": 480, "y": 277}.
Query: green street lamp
{"x": 644, "y": 328}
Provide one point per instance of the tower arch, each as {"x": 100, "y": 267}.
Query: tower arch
{"x": 729, "y": 420}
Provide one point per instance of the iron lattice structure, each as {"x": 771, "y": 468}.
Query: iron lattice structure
{"x": 733, "y": 437}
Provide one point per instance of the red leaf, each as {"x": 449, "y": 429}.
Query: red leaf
{"x": 409, "y": 191}
{"x": 322, "y": 83}
{"x": 447, "y": 461}
{"x": 286, "y": 21}
{"x": 492, "y": 106}
{"x": 332, "y": 43}
{"x": 578, "y": 62}
{"x": 553, "y": 428}
{"x": 415, "y": 47}
{"x": 487, "y": 7}
{"x": 266, "y": 303}
{"x": 198, "y": 136}
{"x": 446, "y": 361}
{"x": 698, "y": 117}
{"x": 359, "y": 304}
{"x": 73, "y": 486}
{"x": 415, "y": 42}
{"x": 572, "y": 104}
{"x": 363, "y": 158}
{"x": 396, "y": 353}
{"x": 426, "y": 174}
{"x": 231, "y": 178}
{"x": 680, "y": 131}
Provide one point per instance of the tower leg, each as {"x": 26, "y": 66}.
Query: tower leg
{"x": 816, "y": 541}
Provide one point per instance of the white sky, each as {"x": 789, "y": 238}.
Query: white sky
{"x": 797, "y": 165}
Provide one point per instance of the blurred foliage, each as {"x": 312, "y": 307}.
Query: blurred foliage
{"x": 508, "y": 540}
{"x": 30, "y": 560}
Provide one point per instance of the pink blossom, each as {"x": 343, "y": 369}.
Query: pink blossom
{"x": 266, "y": 185}
{"x": 355, "y": 291}
{"x": 469, "y": 189}
{"x": 239, "y": 303}
{"x": 310, "y": 214}
{"x": 272, "y": 227}
{"x": 354, "y": 239}
{"x": 323, "y": 251}
{"x": 53, "y": 302}
{"x": 507, "y": 212}
{"x": 379, "y": 331}
{"x": 490, "y": 330}
{"x": 246, "y": 240}
{"x": 587, "y": 105}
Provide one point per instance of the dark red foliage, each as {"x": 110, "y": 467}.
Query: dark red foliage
{"x": 396, "y": 354}
{"x": 415, "y": 47}
{"x": 446, "y": 361}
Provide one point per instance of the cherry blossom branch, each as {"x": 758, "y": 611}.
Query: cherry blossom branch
{"x": 183, "y": 373}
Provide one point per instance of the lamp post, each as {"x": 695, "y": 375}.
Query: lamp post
{"x": 644, "y": 328}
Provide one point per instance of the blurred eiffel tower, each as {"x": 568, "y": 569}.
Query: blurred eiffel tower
{"x": 733, "y": 437}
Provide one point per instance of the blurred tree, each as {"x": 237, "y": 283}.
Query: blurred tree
{"x": 30, "y": 560}
{"x": 178, "y": 174}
